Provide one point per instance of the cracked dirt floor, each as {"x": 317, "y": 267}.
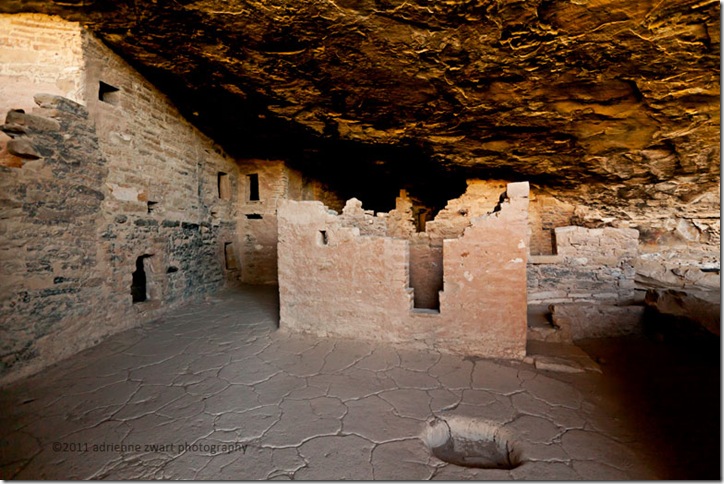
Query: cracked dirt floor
{"x": 215, "y": 391}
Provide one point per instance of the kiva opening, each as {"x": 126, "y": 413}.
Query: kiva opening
{"x": 469, "y": 442}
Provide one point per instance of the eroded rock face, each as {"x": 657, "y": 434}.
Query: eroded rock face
{"x": 611, "y": 104}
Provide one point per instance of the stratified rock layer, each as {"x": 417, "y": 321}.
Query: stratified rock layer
{"x": 622, "y": 96}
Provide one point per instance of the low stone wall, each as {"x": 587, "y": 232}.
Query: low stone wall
{"x": 335, "y": 281}
{"x": 591, "y": 265}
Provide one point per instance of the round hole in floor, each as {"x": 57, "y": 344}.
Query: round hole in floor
{"x": 470, "y": 442}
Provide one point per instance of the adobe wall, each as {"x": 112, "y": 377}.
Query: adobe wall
{"x": 100, "y": 189}
{"x": 335, "y": 280}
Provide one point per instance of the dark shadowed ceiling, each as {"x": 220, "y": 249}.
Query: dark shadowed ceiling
{"x": 617, "y": 94}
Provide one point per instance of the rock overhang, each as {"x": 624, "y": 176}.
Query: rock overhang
{"x": 621, "y": 96}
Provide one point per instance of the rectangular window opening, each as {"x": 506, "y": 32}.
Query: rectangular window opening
{"x": 420, "y": 217}
{"x": 253, "y": 187}
{"x": 323, "y": 237}
{"x": 108, "y": 94}
{"x": 224, "y": 186}
{"x": 253, "y": 216}
{"x": 151, "y": 206}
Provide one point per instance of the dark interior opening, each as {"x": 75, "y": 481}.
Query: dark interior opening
{"x": 420, "y": 218}
{"x": 253, "y": 187}
{"x": 138, "y": 285}
{"x": 253, "y": 216}
{"x": 107, "y": 93}
{"x": 323, "y": 238}
{"x": 151, "y": 206}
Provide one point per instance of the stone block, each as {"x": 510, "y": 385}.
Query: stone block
{"x": 544, "y": 295}
{"x": 23, "y": 148}
{"x": 518, "y": 190}
{"x": 52, "y": 101}
{"x": 545, "y": 259}
{"x": 31, "y": 121}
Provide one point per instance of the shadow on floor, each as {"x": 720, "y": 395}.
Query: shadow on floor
{"x": 669, "y": 385}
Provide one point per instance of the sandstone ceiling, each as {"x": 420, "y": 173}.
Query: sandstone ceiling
{"x": 614, "y": 100}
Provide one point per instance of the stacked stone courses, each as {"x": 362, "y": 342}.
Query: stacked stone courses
{"x": 95, "y": 185}
{"x": 591, "y": 265}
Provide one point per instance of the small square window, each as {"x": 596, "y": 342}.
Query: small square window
{"x": 108, "y": 94}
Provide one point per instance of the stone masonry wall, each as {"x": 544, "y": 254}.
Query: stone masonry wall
{"x": 119, "y": 183}
{"x": 591, "y": 265}
{"x": 546, "y": 213}
{"x": 334, "y": 280}
{"x": 163, "y": 183}
{"x": 39, "y": 53}
{"x": 50, "y": 277}
{"x": 257, "y": 217}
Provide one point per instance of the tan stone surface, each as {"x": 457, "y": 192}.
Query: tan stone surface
{"x": 39, "y": 53}
{"x": 335, "y": 280}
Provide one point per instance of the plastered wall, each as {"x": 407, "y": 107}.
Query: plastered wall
{"x": 257, "y": 213}
{"x": 336, "y": 280}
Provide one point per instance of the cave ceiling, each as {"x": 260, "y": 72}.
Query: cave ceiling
{"x": 617, "y": 94}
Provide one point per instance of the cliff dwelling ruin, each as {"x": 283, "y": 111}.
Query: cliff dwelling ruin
{"x": 359, "y": 240}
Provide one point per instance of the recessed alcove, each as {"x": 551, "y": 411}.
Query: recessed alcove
{"x": 108, "y": 94}
{"x": 230, "y": 257}
{"x": 223, "y": 185}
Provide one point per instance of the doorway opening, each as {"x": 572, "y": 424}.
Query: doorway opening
{"x": 139, "y": 284}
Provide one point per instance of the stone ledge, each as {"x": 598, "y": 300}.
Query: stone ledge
{"x": 700, "y": 307}
{"x": 545, "y": 259}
